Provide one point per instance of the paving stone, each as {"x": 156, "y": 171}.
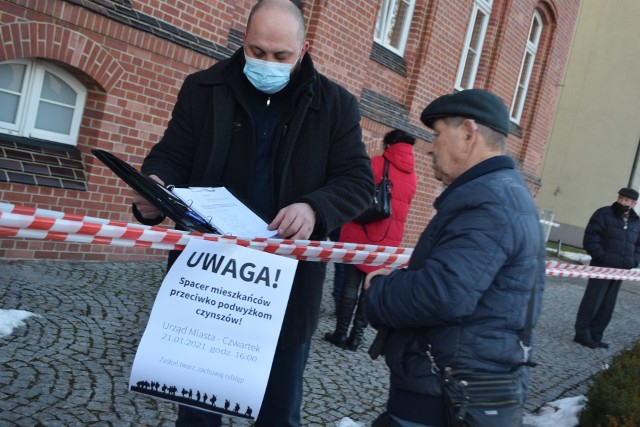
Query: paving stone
{"x": 70, "y": 366}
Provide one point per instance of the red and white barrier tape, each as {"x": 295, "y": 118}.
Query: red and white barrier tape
{"x": 559, "y": 269}
{"x": 33, "y": 223}
{"x": 580, "y": 267}
{"x": 69, "y": 228}
{"x": 23, "y": 210}
{"x": 591, "y": 275}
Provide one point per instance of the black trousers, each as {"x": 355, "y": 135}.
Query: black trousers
{"x": 596, "y": 308}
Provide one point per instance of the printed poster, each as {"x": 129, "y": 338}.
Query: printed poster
{"x": 213, "y": 329}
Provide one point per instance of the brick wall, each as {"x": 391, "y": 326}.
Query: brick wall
{"x": 133, "y": 55}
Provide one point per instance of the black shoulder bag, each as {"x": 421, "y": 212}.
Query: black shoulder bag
{"x": 381, "y": 205}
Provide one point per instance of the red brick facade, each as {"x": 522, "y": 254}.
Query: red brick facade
{"x": 133, "y": 56}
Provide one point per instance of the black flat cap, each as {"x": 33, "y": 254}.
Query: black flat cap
{"x": 484, "y": 107}
{"x": 628, "y": 192}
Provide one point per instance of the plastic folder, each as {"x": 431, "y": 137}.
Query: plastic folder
{"x": 167, "y": 202}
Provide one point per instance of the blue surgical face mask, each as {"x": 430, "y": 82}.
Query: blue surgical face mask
{"x": 266, "y": 76}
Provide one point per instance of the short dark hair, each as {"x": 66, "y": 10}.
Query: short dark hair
{"x": 396, "y": 136}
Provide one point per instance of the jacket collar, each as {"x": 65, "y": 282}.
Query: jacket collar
{"x": 632, "y": 213}
{"x": 487, "y": 166}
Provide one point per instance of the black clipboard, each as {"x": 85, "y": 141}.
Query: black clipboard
{"x": 159, "y": 196}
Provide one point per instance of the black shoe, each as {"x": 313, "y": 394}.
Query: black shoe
{"x": 585, "y": 342}
{"x": 603, "y": 344}
{"x": 336, "y": 340}
{"x": 353, "y": 343}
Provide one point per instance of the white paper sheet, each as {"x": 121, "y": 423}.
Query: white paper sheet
{"x": 224, "y": 211}
{"x": 213, "y": 329}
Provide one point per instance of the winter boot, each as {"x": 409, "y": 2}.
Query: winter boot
{"x": 336, "y": 339}
{"x": 359, "y": 325}
{"x": 343, "y": 317}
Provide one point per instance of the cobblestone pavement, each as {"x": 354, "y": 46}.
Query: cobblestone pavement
{"x": 70, "y": 365}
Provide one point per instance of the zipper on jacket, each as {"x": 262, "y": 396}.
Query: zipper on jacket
{"x": 268, "y": 101}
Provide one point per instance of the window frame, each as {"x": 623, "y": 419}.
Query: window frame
{"x": 479, "y": 6}
{"x": 387, "y": 6}
{"x": 524, "y": 77}
{"x": 30, "y": 97}
{"x": 14, "y": 128}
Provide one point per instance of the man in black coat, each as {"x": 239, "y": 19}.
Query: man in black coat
{"x": 288, "y": 141}
{"x": 612, "y": 238}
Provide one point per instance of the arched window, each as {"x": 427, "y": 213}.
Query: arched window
{"x": 473, "y": 44}
{"x": 392, "y": 26}
{"x": 530, "y": 52}
{"x": 40, "y": 100}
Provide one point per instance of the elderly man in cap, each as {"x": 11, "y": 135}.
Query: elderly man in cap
{"x": 463, "y": 312}
{"x": 612, "y": 238}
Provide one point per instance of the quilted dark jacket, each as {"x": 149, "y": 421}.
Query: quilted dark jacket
{"x": 468, "y": 283}
{"x": 611, "y": 241}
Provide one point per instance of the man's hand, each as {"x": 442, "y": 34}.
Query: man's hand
{"x": 295, "y": 222}
{"x": 146, "y": 209}
{"x": 368, "y": 277}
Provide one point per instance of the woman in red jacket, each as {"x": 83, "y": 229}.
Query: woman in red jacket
{"x": 398, "y": 150}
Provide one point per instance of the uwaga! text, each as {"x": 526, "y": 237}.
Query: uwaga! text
{"x": 223, "y": 266}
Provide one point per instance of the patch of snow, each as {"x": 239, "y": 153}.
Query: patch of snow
{"x": 11, "y": 319}
{"x": 560, "y": 413}
{"x": 347, "y": 422}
